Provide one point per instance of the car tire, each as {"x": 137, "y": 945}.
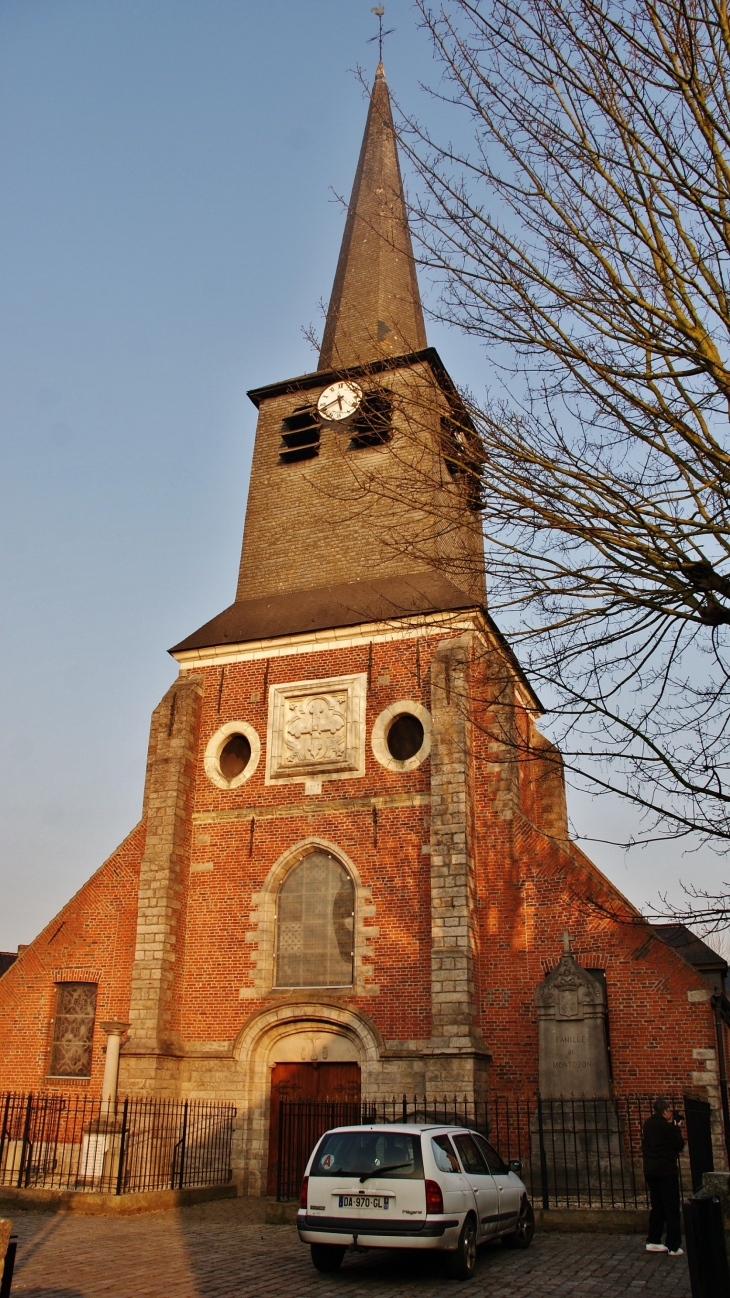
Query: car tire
{"x": 327, "y": 1257}
{"x": 462, "y": 1262}
{"x": 522, "y": 1236}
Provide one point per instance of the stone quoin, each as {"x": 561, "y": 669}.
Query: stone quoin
{"x": 353, "y": 857}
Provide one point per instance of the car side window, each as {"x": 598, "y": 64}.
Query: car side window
{"x": 471, "y": 1159}
{"x": 495, "y": 1164}
{"x": 444, "y": 1155}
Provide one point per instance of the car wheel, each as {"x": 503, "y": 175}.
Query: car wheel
{"x": 461, "y": 1264}
{"x": 327, "y": 1257}
{"x": 522, "y": 1236}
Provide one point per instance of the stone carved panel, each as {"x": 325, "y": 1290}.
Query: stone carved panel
{"x": 571, "y": 1012}
{"x": 316, "y": 729}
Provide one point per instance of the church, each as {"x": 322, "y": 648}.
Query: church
{"x": 352, "y": 874}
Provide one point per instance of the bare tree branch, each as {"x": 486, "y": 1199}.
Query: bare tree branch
{"x": 584, "y": 232}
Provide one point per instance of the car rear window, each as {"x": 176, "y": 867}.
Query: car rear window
{"x": 396, "y": 1154}
{"x": 444, "y": 1155}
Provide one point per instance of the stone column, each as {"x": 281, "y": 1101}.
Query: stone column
{"x": 459, "y": 1057}
{"x": 168, "y": 790}
{"x": 114, "y": 1031}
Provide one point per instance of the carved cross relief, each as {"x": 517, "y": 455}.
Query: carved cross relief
{"x": 316, "y": 729}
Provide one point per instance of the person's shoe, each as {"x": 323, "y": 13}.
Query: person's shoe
{"x": 657, "y": 1248}
{"x": 676, "y": 1252}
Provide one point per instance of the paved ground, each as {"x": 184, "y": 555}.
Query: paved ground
{"x": 217, "y": 1251}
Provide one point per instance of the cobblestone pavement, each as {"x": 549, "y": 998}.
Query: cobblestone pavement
{"x": 217, "y": 1251}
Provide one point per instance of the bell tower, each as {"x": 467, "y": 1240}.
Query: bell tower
{"x": 361, "y": 501}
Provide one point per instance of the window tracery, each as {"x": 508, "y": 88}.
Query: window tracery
{"x": 315, "y": 920}
{"x": 73, "y": 1030}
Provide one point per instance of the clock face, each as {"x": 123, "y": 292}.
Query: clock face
{"x": 339, "y": 400}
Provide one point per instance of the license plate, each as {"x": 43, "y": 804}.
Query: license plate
{"x": 363, "y": 1201}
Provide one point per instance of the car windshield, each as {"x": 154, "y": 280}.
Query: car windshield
{"x": 361, "y": 1153}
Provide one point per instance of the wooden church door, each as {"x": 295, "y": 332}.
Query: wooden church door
{"x": 338, "y": 1081}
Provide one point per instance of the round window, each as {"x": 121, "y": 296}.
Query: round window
{"x": 235, "y": 757}
{"x": 401, "y": 736}
{"x": 404, "y": 737}
{"x": 232, "y": 755}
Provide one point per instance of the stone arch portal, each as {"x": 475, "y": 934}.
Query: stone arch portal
{"x": 299, "y": 1050}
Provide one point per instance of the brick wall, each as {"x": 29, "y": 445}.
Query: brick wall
{"x": 90, "y": 940}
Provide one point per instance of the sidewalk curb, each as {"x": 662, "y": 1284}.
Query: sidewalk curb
{"x": 81, "y": 1203}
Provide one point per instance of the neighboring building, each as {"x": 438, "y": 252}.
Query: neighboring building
{"x": 6, "y": 959}
{"x": 697, "y": 953}
{"x": 353, "y": 867}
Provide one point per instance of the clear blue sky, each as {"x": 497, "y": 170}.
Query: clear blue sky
{"x": 168, "y": 227}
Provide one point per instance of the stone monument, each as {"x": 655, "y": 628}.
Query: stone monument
{"x": 571, "y": 1011}
{"x": 575, "y": 1131}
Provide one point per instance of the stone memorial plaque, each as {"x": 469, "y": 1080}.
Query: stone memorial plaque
{"x": 571, "y": 1012}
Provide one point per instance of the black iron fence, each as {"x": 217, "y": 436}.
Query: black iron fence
{"x": 75, "y": 1142}
{"x": 574, "y": 1153}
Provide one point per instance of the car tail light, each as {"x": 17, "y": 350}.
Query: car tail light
{"x": 303, "y": 1193}
{"x": 434, "y": 1197}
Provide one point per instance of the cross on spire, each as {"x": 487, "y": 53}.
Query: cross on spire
{"x": 379, "y": 10}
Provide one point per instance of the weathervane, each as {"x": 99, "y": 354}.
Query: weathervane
{"x": 380, "y": 10}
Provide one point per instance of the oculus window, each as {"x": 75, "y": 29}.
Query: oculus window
{"x": 73, "y": 1030}
{"x": 315, "y": 920}
{"x": 401, "y": 736}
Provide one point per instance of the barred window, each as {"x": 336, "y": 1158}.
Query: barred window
{"x": 73, "y": 1030}
{"x": 315, "y": 925}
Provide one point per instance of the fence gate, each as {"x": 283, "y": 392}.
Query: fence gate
{"x": 301, "y": 1123}
{"x": 699, "y": 1139}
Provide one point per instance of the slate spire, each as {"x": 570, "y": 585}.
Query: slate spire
{"x": 375, "y": 309}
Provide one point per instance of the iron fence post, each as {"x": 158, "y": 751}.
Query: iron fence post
{"x": 4, "y": 1131}
{"x": 182, "y": 1144}
{"x": 280, "y": 1149}
{"x": 543, "y": 1156}
{"x": 122, "y": 1148}
{"x": 24, "y": 1146}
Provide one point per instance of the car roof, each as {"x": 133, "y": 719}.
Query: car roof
{"x": 401, "y": 1127}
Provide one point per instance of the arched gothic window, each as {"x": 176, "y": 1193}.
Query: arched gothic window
{"x": 315, "y": 917}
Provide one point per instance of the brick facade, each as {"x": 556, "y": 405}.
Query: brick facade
{"x": 464, "y": 890}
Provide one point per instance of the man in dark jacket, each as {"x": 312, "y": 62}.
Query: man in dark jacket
{"x": 662, "y": 1144}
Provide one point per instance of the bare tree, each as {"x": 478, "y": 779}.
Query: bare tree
{"x": 583, "y": 233}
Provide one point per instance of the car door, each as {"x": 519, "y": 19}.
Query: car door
{"x": 480, "y": 1181}
{"x": 509, "y": 1189}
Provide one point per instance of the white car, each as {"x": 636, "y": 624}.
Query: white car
{"x": 411, "y": 1186}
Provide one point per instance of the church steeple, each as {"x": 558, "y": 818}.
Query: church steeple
{"x": 375, "y": 309}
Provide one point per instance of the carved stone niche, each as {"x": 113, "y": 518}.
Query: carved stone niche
{"x": 571, "y": 1010}
{"x": 316, "y": 730}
